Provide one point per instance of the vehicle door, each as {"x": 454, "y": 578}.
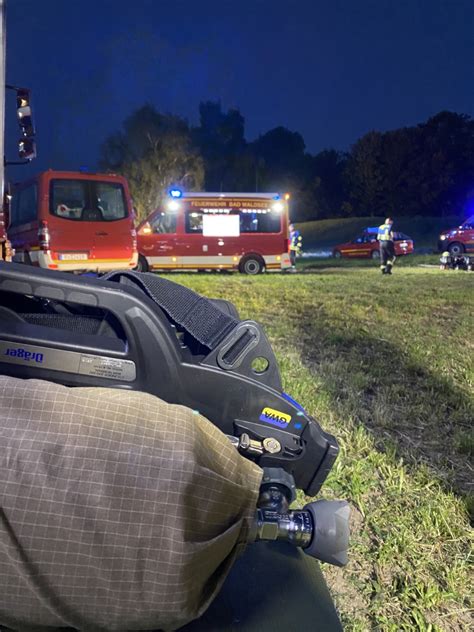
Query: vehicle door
{"x": 212, "y": 238}
{"x": 113, "y": 228}
{"x": 195, "y": 249}
{"x": 157, "y": 239}
{"x": 361, "y": 246}
{"x": 468, "y": 235}
{"x": 70, "y": 220}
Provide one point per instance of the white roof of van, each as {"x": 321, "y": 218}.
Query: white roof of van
{"x": 203, "y": 194}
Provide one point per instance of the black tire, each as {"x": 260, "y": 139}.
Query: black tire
{"x": 142, "y": 265}
{"x": 337, "y": 254}
{"x": 251, "y": 264}
{"x": 456, "y": 249}
{"x": 375, "y": 255}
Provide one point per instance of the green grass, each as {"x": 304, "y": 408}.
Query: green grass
{"x": 327, "y": 233}
{"x": 386, "y": 364}
{"x": 325, "y": 263}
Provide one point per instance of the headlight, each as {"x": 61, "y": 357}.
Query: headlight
{"x": 443, "y": 237}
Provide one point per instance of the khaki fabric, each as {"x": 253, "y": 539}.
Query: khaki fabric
{"x": 118, "y": 511}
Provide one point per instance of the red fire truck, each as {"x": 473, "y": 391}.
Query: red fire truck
{"x": 74, "y": 221}
{"x": 199, "y": 231}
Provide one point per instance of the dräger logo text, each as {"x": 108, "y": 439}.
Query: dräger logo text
{"x": 22, "y": 354}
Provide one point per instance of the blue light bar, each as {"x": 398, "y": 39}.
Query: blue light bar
{"x": 176, "y": 193}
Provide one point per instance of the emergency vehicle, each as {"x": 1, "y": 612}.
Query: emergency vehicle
{"x": 366, "y": 245}
{"x": 458, "y": 240}
{"x": 74, "y": 221}
{"x": 199, "y": 231}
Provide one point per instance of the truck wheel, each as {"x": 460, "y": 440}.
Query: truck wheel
{"x": 251, "y": 264}
{"x": 337, "y": 254}
{"x": 142, "y": 265}
{"x": 456, "y": 249}
{"x": 375, "y": 255}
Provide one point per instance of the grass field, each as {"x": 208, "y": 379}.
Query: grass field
{"x": 387, "y": 365}
{"x": 327, "y": 233}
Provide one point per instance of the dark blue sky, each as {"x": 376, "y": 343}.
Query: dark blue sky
{"x": 331, "y": 70}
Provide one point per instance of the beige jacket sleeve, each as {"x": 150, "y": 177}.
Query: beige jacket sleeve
{"x": 118, "y": 511}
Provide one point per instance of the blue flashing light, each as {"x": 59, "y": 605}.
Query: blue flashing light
{"x": 176, "y": 193}
{"x": 276, "y": 197}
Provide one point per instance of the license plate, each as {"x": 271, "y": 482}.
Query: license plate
{"x": 73, "y": 256}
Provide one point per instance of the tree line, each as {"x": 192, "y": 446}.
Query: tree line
{"x": 423, "y": 170}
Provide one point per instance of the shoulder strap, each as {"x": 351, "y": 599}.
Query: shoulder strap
{"x": 201, "y": 318}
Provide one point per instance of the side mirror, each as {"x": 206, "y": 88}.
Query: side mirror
{"x": 23, "y": 112}
{"x": 27, "y": 148}
{"x": 26, "y": 144}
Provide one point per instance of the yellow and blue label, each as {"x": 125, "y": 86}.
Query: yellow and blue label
{"x": 275, "y": 417}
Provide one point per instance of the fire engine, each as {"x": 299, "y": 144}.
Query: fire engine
{"x": 200, "y": 231}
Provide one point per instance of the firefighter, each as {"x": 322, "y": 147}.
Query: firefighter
{"x": 446, "y": 261}
{"x": 296, "y": 242}
{"x": 387, "y": 246}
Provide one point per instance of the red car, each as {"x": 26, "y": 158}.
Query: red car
{"x": 366, "y": 245}
{"x": 458, "y": 240}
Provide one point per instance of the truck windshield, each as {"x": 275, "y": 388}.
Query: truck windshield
{"x": 87, "y": 200}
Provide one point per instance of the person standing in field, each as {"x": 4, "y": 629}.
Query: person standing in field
{"x": 296, "y": 241}
{"x": 387, "y": 246}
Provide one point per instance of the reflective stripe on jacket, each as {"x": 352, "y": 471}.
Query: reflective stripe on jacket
{"x": 296, "y": 240}
{"x": 385, "y": 233}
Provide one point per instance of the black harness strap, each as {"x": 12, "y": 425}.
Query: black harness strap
{"x": 195, "y": 313}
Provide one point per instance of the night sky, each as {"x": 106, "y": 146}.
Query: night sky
{"x": 331, "y": 70}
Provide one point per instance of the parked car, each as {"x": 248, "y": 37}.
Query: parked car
{"x": 458, "y": 240}
{"x": 366, "y": 245}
